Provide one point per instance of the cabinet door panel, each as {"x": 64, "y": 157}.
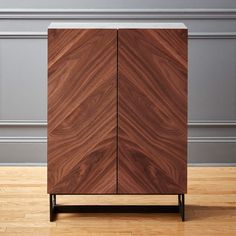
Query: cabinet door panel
{"x": 152, "y": 111}
{"x": 82, "y": 111}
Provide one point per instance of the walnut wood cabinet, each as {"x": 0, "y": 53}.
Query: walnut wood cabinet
{"x": 117, "y": 108}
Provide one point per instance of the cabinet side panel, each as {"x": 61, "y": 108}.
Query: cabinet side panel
{"x": 82, "y": 116}
{"x": 152, "y": 111}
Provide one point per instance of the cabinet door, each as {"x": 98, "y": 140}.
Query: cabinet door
{"x": 152, "y": 111}
{"x": 82, "y": 111}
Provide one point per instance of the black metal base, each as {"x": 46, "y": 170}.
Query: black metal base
{"x": 55, "y": 208}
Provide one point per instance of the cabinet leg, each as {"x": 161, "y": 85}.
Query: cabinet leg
{"x": 54, "y": 199}
{"x": 52, "y": 203}
{"x": 181, "y": 202}
{"x": 72, "y": 208}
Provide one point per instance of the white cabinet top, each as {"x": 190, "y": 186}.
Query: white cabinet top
{"x": 131, "y": 25}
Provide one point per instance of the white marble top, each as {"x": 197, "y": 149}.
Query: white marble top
{"x": 131, "y": 25}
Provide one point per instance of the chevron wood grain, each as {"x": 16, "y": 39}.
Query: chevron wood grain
{"x": 152, "y": 111}
{"x": 82, "y": 105}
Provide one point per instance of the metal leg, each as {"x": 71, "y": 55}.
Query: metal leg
{"x": 52, "y": 203}
{"x": 183, "y": 207}
{"x": 181, "y": 202}
{"x": 55, "y": 208}
{"x": 54, "y": 199}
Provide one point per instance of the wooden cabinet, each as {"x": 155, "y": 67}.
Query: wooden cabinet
{"x": 152, "y": 111}
{"x": 117, "y": 109}
{"x": 82, "y": 111}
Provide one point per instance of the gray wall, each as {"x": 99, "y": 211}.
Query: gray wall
{"x": 212, "y": 69}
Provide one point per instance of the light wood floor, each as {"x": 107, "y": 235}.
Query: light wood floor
{"x": 210, "y": 207}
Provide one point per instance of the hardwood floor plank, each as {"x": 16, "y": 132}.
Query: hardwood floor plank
{"x": 208, "y": 212}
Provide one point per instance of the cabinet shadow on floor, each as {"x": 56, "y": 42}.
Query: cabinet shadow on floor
{"x": 193, "y": 213}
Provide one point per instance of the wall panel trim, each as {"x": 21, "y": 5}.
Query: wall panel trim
{"x": 44, "y": 164}
{"x": 36, "y": 164}
{"x": 43, "y": 35}
{"x": 135, "y": 14}
{"x": 44, "y": 123}
{"x": 212, "y": 123}
{"x": 23, "y": 35}
{"x": 44, "y": 140}
{"x": 211, "y": 139}
{"x": 212, "y": 35}
{"x": 23, "y": 123}
{"x": 23, "y": 139}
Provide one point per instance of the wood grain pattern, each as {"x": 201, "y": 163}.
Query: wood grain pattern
{"x": 82, "y": 118}
{"x": 152, "y": 116}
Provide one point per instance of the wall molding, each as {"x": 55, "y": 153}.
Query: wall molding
{"x": 212, "y": 35}
{"x": 44, "y": 164}
{"x": 117, "y": 14}
{"x": 43, "y": 124}
{"x": 190, "y": 123}
{"x": 36, "y": 164}
{"x": 23, "y": 35}
{"x": 212, "y": 123}
{"x": 23, "y": 123}
{"x": 208, "y": 164}
{"x": 43, "y": 35}
{"x": 211, "y": 139}
{"x": 24, "y": 139}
